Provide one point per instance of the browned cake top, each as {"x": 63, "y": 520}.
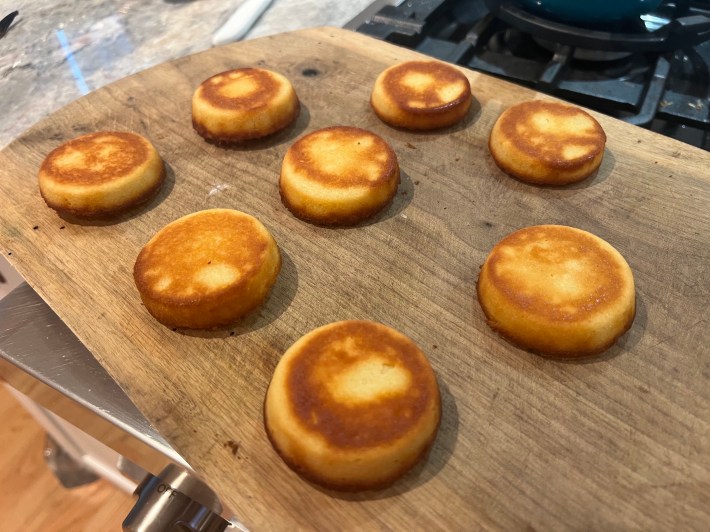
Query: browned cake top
{"x": 201, "y": 255}
{"x": 240, "y": 89}
{"x": 96, "y": 158}
{"x": 342, "y": 156}
{"x": 560, "y": 272}
{"x": 553, "y": 132}
{"x": 359, "y": 384}
{"x": 425, "y": 86}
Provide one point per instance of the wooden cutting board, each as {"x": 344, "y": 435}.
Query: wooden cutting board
{"x": 617, "y": 441}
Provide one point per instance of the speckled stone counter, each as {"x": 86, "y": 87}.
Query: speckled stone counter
{"x": 55, "y": 52}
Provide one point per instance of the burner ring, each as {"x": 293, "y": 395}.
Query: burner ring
{"x": 681, "y": 32}
{"x": 584, "y": 54}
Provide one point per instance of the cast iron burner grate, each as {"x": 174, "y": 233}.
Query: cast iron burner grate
{"x": 653, "y": 72}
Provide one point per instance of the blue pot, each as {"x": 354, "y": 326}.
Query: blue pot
{"x": 596, "y": 12}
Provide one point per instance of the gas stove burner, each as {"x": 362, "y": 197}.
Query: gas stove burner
{"x": 680, "y": 31}
{"x": 584, "y": 54}
{"x": 652, "y": 71}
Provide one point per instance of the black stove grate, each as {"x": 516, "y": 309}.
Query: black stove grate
{"x": 684, "y": 25}
{"x": 666, "y": 91}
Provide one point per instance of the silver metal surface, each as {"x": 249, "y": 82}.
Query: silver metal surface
{"x": 175, "y": 500}
{"x": 34, "y": 339}
{"x": 69, "y": 471}
{"x": 182, "y": 481}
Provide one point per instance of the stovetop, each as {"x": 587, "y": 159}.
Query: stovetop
{"x": 653, "y": 71}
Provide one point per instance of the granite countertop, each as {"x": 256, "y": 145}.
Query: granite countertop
{"x": 55, "y": 53}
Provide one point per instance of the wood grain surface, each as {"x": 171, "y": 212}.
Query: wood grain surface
{"x": 33, "y": 500}
{"x": 618, "y": 441}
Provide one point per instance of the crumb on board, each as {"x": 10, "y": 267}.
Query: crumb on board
{"x": 232, "y": 446}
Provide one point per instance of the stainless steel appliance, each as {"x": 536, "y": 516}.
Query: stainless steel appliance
{"x": 651, "y": 70}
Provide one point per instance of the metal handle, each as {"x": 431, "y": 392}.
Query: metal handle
{"x": 240, "y": 22}
{"x": 175, "y": 501}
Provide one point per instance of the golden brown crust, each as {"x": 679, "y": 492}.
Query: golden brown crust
{"x": 557, "y": 291}
{"x": 353, "y": 405}
{"x": 215, "y": 90}
{"x": 243, "y": 104}
{"x": 547, "y": 143}
{"x": 100, "y": 157}
{"x": 207, "y": 269}
{"x": 101, "y": 174}
{"x": 338, "y": 175}
{"x": 98, "y": 213}
{"x": 345, "y": 486}
{"x": 279, "y": 124}
{"x": 369, "y": 166}
{"x": 376, "y": 421}
{"x": 355, "y": 216}
{"x": 421, "y": 95}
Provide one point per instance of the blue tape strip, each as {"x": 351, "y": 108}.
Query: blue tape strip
{"x": 71, "y": 61}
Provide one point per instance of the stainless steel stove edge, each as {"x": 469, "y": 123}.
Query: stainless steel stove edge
{"x": 42, "y": 358}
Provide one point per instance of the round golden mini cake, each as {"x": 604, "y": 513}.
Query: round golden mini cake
{"x": 557, "y": 291}
{"x": 101, "y": 174}
{"x": 547, "y": 143}
{"x": 207, "y": 269}
{"x": 352, "y": 405}
{"x": 421, "y": 95}
{"x": 243, "y": 104}
{"x": 338, "y": 176}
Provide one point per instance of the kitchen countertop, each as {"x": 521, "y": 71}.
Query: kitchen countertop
{"x": 54, "y": 53}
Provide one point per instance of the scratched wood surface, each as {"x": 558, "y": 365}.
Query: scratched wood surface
{"x": 618, "y": 441}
